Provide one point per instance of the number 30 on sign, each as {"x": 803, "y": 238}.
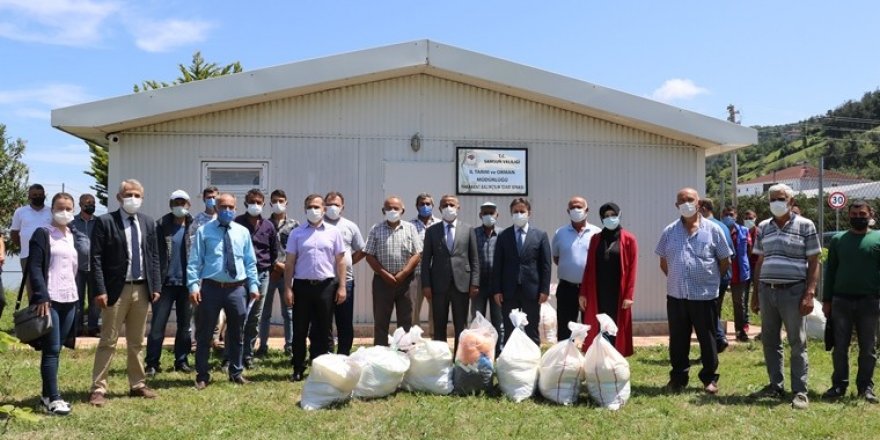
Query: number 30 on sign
{"x": 837, "y": 200}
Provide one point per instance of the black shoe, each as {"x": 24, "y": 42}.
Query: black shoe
{"x": 769, "y": 391}
{"x": 183, "y": 368}
{"x": 297, "y": 376}
{"x": 262, "y": 352}
{"x": 869, "y": 396}
{"x": 722, "y": 345}
{"x": 151, "y": 371}
{"x": 742, "y": 336}
{"x": 834, "y": 393}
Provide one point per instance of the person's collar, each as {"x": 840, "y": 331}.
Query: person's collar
{"x": 319, "y": 226}
{"x": 454, "y": 223}
{"x": 393, "y": 227}
{"x": 525, "y": 228}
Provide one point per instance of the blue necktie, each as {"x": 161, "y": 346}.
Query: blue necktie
{"x": 450, "y": 238}
{"x": 228, "y": 254}
{"x": 136, "y": 272}
{"x": 519, "y": 240}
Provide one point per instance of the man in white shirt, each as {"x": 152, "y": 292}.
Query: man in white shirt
{"x": 27, "y": 219}
{"x": 569, "y": 247}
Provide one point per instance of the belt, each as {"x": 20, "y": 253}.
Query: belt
{"x": 135, "y": 281}
{"x": 232, "y": 285}
{"x": 782, "y": 285}
{"x": 577, "y": 286}
{"x": 313, "y": 282}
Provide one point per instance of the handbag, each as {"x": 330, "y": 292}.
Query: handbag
{"x": 29, "y": 325}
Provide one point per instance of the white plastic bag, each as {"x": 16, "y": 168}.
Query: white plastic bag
{"x": 606, "y": 370}
{"x": 517, "y": 367}
{"x": 382, "y": 369}
{"x": 331, "y": 380}
{"x": 547, "y": 324}
{"x": 562, "y": 368}
{"x": 430, "y": 366}
{"x": 405, "y": 340}
{"x": 475, "y": 359}
{"x": 815, "y": 322}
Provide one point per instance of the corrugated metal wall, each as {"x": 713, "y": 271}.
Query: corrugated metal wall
{"x": 342, "y": 139}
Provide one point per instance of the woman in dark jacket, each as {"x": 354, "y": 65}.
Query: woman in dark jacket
{"x": 52, "y": 266}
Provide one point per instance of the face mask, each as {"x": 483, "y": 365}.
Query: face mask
{"x": 179, "y": 211}
{"x": 225, "y": 216}
{"x": 254, "y": 209}
{"x": 425, "y": 210}
{"x": 333, "y": 212}
{"x": 392, "y": 216}
{"x": 279, "y": 208}
{"x": 314, "y": 215}
{"x": 611, "y": 223}
{"x": 577, "y": 215}
{"x": 38, "y": 201}
{"x": 687, "y": 209}
{"x": 728, "y": 221}
{"x": 778, "y": 209}
{"x": 449, "y": 213}
{"x": 858, "y": 223}
{"x": 210, "y": 203}
{"x": 63, "y": 217}
{"x": 520, "y": 219}
{"x": 131, "y": 205}
{"x": 89, "y": 209}
{"x": 749, "y": 223}
{"x": 489, "y": 220}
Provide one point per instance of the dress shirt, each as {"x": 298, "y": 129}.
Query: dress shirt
{"x": 393, "y": 247}
{"x": 316, "y": 249}
{"x": 126, "y": 222}
{"x": 206, "y": 256}
{"x": 692, "y": 259}
{"x": 61, "y": 284}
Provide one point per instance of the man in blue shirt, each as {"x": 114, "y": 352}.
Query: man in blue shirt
{"x": 222, "y": 264}
{"x": 693, "y": 254}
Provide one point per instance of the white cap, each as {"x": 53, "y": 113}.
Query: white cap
{"x": 488, "y": 205}
{"x": 180, "y": 194}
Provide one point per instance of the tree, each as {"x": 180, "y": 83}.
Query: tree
{"x": 13, "y": 180}
{"x": 199, "y": 69}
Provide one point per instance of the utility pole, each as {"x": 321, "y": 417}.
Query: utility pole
{"x": 732, "y": 112}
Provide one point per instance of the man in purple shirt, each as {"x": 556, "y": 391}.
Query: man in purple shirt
{"x": 314, "y": 267}
{"x": 265, "y": 243}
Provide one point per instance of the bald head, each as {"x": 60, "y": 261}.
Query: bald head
{"x": 687, "y": 195}
{"x": 393, "y": 203}
{"x": 226, "y": 201}
{"x": 577, "y": 202}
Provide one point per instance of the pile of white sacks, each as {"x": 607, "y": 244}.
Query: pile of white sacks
{"x": 419, "y": 365}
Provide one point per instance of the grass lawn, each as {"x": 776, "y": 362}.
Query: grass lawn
{"x": 268, "y": 407}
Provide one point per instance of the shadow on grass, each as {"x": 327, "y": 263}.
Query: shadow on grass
{"x": 739, "y": 400}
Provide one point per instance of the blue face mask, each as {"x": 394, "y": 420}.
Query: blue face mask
{"x": 425, "y": 210}
{"x": 210, "y": 203}
{"x": 728, "y": 221}
{"x": 225, "y": 216}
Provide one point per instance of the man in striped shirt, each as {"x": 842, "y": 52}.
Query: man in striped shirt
{"x": 785, "y": 277}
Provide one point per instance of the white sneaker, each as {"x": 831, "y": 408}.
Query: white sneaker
{"x": 800, "y": 401}
{"x": 57, "y": 407}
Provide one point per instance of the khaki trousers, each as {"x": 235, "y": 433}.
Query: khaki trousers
{"x": 130, "y": 310}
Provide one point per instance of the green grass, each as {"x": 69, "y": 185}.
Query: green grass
{"x": 268, "y": 408}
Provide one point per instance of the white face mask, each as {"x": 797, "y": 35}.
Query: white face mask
{"x": 687, "y": 209}
{"x": 449, "y": 213}
{"x": 577, "y": 215}
{"x": 62, "y": 217}
{"x": 392, "y": 216}
{"x": 611, "y": 223}
{"x": 279, "y": 208}
{"x": 131, "y": 205}
{"x": 749, "y": 223}
{"x": 778, "y": 209}
{"x": 314, "y": 215}
{"x": 489, "y": 220}
{"x": 179, "y": 211}
{"x": 520, "y": 219}
{"x": 333, "y": 212}
{"x": 254, "y": 209}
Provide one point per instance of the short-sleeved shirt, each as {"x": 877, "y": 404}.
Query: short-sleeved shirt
{"x": 786, "y": 249}
{"x": 393, "y": 247}
{"x": 199, "y": 220}
{"x": 63, "y": 260}
{"x": 692, "y": 259}
{"x": 420, "y": 228}
{"x": 316, "y": 249}
{"x": 571, "y": 247}
{"x": 354, "y": 241}
{"x": 26, "y": 220}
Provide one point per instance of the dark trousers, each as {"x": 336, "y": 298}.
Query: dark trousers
{"x": 700, "y": 317}
{"x": 567, "y": 307}
{"x": 344, "y": 316}
{"x": 442, "y": 302}
{"x": 485, "y": 300}
{"x": 85, "y": 288}
{"x": 740, "y": 299}
{"x": 861, "y": 313}
{"x": 721, "y": 330}
{"x": 214, "y": 299}
{"x": 176, "y": 296}
{"x": 385, "y": 300}
{"x": 312, "y": 306}
{"x": 63, "y": 315}
{"x": 529, "y": 306}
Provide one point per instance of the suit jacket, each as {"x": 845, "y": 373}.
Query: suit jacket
{"x": 530, "y": 270}
{"x": 441, "y": 269}
{"x": 110, "y": 254}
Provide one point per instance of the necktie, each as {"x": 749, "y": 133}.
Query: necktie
{"x": 136, "y": 272}
{"x": 520, "y": 239}
{"x": 228, "y": 254}
{"x": 450, "y": 237}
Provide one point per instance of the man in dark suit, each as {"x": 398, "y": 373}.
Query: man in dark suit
{"x": 521, "y": 269}
{"x": 125, "y": 267}
{"x": 450, "y": 269}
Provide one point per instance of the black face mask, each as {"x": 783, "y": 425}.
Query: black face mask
{"x": 38, "y": 201}
{"x": 858, "y": 223}
{"x": 88, "y": 209}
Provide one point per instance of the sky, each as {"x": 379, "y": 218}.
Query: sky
{"x": 777, "y": 62}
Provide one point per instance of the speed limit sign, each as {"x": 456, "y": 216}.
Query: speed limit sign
{"x": 837, "y": 200}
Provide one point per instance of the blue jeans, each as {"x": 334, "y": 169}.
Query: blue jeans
{"x": 276, "y": 286}
{"x": 63, "y": 315}
{"x": 233, "y": 302}
{"x": 861, "y": 313}
{"x": 178, "y": 297}
{"x": 252, "y": 322}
